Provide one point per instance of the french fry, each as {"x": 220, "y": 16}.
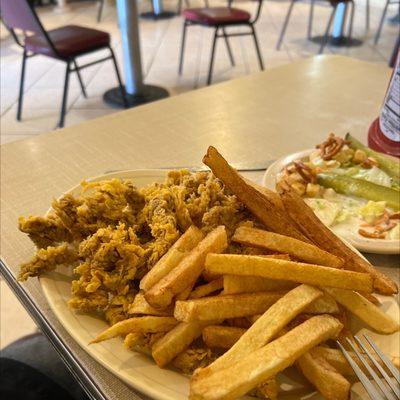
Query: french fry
{"x": 225, "y": 306}
{"x": 365, "y": 310}
{"x": 257, "y": 202}
{"x": 264, "y": 363}
{"x": 176, "y": 341}
{"x": 323, "y": 305}
{"x": 208, "y": 288}
{"x": 234, "y": 284}
{"x": 329, "y": 382}
{"x": 287, "y": 270}
{"x": 137, "y": 324}
{"x": 336, "y": 358}
{"x": 141, "y": 306}
{"x": 186, "y": 293}
{"x": 273, "y": 241}
{"x": 223, "y": 337}
{"x": 189, "y": 269}
{"x": 273, "y": 197}
{"x": 324, "y": 238}
{"x": 370, "y": 297}
{"x": 268, "y": 325}
{"x": 172, "y": 258}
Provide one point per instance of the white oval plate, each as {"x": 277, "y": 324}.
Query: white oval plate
{"x": 378, "y": 246}
{"x": 138, "y": 370}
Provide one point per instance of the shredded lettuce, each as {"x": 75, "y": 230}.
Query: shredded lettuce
{"x": 371, "y": 211}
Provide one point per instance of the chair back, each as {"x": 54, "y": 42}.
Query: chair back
{"x": 20, "y": 15}
{"x": 257, "y": 13}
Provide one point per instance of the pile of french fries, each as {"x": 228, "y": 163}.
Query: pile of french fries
{"x": 259, "y": 313}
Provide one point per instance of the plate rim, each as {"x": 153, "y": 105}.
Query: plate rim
{"x": 368, "y": 245}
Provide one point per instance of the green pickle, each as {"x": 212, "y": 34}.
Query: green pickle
{"x": 387, "y": 164}
{"x": 361, "y": 188}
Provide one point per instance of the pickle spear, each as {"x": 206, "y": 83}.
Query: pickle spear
{"x": 387, "y": 164}
{"x": 360, "y": 188}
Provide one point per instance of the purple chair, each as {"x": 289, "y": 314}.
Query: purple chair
{"x": 65, "y": 44}
{"x": 221, "y": 19}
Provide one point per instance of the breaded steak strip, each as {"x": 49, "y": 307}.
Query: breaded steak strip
{"x": 47, "y": 260}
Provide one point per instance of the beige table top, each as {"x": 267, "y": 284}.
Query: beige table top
{"x": 256, "y": 118}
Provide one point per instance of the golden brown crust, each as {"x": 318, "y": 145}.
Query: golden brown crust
{"x": 260, "y": 205}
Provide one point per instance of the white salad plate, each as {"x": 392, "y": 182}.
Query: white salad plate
{"x": 140, "y": 371}
{"x": 377, "y": 246}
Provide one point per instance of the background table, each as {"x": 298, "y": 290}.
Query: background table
{"x": 253, "y": 120}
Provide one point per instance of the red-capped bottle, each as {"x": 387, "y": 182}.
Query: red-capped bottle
{"x": 384, "y": 133}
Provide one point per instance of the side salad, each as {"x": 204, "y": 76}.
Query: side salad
{"x": 350, "y": 187}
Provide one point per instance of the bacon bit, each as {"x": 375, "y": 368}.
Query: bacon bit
{"x": 395, "y": 216}
{"x": 305, "y": 171}
{"x": 369, "y": 163}
{"x": 371, "y": 235}
{"x": 331, "y": 146}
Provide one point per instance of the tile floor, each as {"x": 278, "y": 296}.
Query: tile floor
{"x": 160, "y": 47}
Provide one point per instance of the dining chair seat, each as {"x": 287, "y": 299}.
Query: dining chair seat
{"x": 213, "y": 16}
{"x": 69, "y": 40}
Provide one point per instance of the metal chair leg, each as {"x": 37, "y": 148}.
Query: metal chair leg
{"x": 210, "y": 69}
{"x": 310, "y": 19}
{"x": 328, "y": 28}
{"x": 185, "y": 25}
{"x": 80, "y": 80}
{"x": 65, "y": 97}
{"x": 21, "y": 86}
{"x": 351, "y": 21}
{"x": 285, "y": 24}
{"x": 260, "y": 60}
{"x": 378, "y": 32}
{"x": 228, "y": 47}
{"x": 100, "y": 12}
{"x": 121, "y": 86}
{"x": 396, "y": 49}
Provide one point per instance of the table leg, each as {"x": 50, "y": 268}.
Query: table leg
{"x": 338, "y": 37}
{"x": 137, "y": 92}
{"x": 61, "y": 7}
{"x": 158, "y": 11}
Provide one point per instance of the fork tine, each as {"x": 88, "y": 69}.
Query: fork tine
{"x": 384, "y": 359}
{"x": 369, "y": 387}
{"x": 374, "y": 375}
{"x": 387, "y": 378}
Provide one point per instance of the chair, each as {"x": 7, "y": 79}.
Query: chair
{"x": 334, "y": 4}
{"x": 65, "y": 44}
{"x": 221, "y": 18}
{"x": 100, "y": 10}
{"x": 378, "y": 32}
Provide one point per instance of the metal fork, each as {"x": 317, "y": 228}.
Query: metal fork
{"x": 386, "y": 384}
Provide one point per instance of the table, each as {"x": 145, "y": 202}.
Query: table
{"x": 136, "y": 92}
{"x": 158, "y": 12}
{"x": 254, "y": 119}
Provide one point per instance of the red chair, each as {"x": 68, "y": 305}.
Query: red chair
{"x": 65, "y": 44}
{"x": 221, "y": 18}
